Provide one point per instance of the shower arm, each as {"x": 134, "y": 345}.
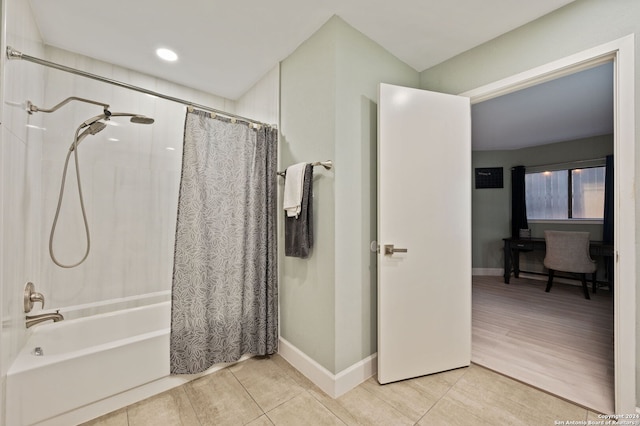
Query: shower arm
{"x": 31, "y": 108}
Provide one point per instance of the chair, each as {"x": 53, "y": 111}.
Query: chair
{"x": 569, "y": 252}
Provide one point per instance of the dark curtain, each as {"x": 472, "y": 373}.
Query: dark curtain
{"x": 518, "y": 202}
{"x": 607, "y": 229}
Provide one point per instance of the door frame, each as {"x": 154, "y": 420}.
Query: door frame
{"x": 621, "y": 52}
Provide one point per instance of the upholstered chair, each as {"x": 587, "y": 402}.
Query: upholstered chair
{"x": 569, "y": 252}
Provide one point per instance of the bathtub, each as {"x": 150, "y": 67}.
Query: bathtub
{"x": 86, "y": 360}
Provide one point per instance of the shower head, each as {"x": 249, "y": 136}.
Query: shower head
{"x": 94, "y": 125}
{"x": 141, "y": 119}
{"x": 135, "y": 118}
{"x": 91, "y": 129}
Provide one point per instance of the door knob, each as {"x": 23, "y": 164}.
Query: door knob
{"x": 390, "y": 249}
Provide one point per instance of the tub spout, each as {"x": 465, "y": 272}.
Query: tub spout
{"x": 37, "y": 319}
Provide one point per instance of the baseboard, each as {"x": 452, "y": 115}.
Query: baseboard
{"x": 560, "y": 280}
{"x": 488, "y": 272}
{"x": 498, "y": 272}
{"x": 333, "y": 385}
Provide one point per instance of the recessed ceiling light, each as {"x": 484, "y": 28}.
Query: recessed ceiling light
{"x": 166, "y": 54}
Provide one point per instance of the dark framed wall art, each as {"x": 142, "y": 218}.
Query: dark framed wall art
{"x": 489, "y": 177}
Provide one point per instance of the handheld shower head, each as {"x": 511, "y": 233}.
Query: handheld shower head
{"x": 92, "y": 129}
{"x": 92, "y": 120}
{"x": 141, "y": 119}
{"x": 96, "y": 127}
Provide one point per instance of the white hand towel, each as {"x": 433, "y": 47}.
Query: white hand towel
{"x": 293, "y": 186}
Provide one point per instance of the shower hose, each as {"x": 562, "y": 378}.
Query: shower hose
{"x": 73, "y": 149}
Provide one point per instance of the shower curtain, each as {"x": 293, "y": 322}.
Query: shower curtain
{"x": 224, "y": 294}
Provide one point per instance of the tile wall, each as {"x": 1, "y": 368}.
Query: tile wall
{"x": 130, "y": 175}
{"x": 20, "y": 151}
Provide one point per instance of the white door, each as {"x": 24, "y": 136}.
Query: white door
{"x": 424, "y": 206}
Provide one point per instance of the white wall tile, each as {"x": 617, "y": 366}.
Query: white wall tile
{"x": 262, "y": 101}
{"x": 130, "y": 185}
{"x": 20, "y": 178}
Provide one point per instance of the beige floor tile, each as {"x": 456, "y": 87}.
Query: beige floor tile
{"x": 487, "y": 405}
{"x": 593, "y": 416}
{"x": 405, "y": 396}
{"x": 436, "y": 385}
{"x": 303, "y": 409}
{"x": 314, "y": 390}
{"x": 299, "y": 378}
{"x": 449, "y": 413}
{"x": 367, "y": 409}
{"x": 267, "y": 383}
{"x": 168, "y": 408}
{"x": 219, "y": 399}
{"x": 468, "y": 396}
{"x": 498, "y": 399}
{"x": 117, "y": 418}
{"x": 263, "y": 420}
{"x": 334, "y": 406}
{"x": 538, "y": 401}
{"x": 596, "y": 417}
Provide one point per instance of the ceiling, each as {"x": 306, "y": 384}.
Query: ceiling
{"x": 224, "y": 48}
{"x": 573, "y": 107}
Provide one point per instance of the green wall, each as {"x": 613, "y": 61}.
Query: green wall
{"x": 307, "y": 133}
{"x": 329, "y": 90}
{"x": 576, "y": 27}
{"x": 328, "y": 94}
{"x": 492, "y": 207}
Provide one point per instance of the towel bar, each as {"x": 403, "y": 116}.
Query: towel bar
{"x": 326, "y": 164}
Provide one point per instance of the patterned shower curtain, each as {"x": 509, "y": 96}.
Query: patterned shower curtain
{"x": 224, "y": 295}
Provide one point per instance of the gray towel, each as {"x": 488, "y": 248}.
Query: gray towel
{"x": 298, "y": 232}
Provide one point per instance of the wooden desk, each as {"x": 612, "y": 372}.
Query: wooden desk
{"x": 513, "y": 247}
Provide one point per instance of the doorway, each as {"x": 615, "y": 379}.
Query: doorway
{"x": 558, "y": 341}
{"x": 621, "y": 52}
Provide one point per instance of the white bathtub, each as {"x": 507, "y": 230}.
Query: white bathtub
{"x": 86, "y": 360}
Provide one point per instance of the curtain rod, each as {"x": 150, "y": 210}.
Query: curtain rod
{"x": 16, "y": 54}
{"x": 576, "y": 162}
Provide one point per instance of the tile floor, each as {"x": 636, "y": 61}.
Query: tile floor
{"x": 269, "y": 391}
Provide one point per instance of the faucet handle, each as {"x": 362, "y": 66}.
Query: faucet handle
{"x": 31, "y": 296}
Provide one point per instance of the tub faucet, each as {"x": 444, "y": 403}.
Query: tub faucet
{"x": 37, "y": 319}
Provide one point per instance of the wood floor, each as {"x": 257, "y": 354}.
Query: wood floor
{"x": 558, "y": 341}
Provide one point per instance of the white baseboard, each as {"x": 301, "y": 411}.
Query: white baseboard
{"x": 333, "y": 385}
{"x": 488, "y": 272}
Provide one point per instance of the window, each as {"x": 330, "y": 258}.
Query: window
{"x": 574, "y": 193}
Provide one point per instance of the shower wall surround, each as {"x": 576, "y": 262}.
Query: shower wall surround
{"x": 130, "y": 175}
{"x": 20, "y": 180}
